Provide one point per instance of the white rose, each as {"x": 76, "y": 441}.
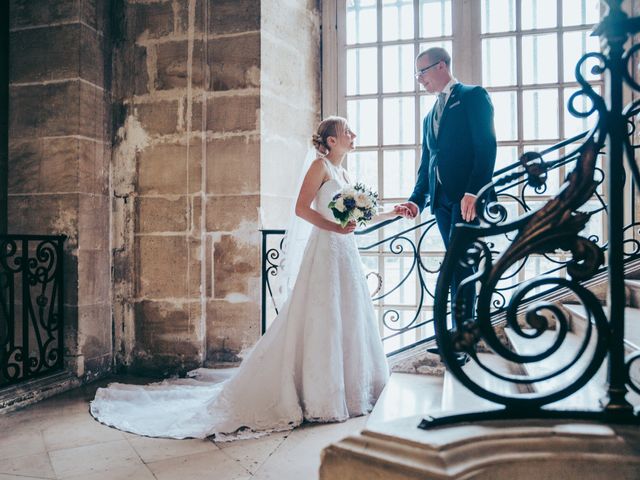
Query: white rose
{"x": 369, "y": 203}
{"x": 357, "y": 214}
{"x": 340, "y": 204}
{"x": 349, "y": 192}
{"x": 362, "y": 200}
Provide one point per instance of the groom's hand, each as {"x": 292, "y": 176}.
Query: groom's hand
{"x": 468, "y": 207}
{"x": 407, "y": 210}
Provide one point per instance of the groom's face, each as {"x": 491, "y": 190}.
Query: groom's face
{"x": 428, "y": 78}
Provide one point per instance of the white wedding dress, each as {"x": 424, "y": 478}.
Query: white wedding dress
{"x": 321, "y": 360}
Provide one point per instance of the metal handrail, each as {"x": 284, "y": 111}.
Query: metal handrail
{"x": 272, "y": 254}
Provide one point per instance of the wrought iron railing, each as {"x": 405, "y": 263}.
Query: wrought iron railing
{"x": 556, "y": 225}
{"x": 518, "y": 191}
{"x": 31, "y": 306}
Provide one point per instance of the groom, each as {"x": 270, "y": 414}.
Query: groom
{"x": 458, "y": 153}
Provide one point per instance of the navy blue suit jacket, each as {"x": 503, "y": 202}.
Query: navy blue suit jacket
{"x": 464, "y": 151}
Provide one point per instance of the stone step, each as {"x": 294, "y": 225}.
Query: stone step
{"x": 588, "y": 397}
{"x": 585, "y": 398}
{"x": 631, "y": 324}
{"x": 631, "y": 333}
{"x": 407, "y": 395}
{"x": 457, "y": 398}
{"x": 35, "y": 390}
{"x": 633, "y": 292}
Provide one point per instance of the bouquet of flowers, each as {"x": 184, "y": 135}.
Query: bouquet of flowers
{"x": 358, "y": 203}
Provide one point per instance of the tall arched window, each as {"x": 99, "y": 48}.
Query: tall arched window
{"x": 523, "y": 51}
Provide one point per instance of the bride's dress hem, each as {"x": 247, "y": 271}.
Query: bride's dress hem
{"x": 241, "y": 433}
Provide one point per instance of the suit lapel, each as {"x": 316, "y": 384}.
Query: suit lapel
{"x": 445, "y": 113}
{"x": 429, "y": 126}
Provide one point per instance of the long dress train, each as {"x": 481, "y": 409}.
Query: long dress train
{"x": 321, "y": 359}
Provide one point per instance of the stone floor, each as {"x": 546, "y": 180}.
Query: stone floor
{"x": 58, "y": 439}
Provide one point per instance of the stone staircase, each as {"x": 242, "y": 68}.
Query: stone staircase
{"x": 392, "y": 442}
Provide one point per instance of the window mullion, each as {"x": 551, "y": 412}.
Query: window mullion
{"x": 381, "y": 267}
{"x": 333, "y": 60}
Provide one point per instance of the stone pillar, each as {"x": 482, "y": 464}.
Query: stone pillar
{"x": 250, "y": 177}
{"x": 59, "y": 157}
{"x": 290, "y": 100}
{"x": 234, "y": 132}
{"x": 160, "y": 95}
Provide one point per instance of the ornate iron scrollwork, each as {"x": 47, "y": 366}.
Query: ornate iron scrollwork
{"x": 31, "y": 306}
{"x": 555, "y": 226}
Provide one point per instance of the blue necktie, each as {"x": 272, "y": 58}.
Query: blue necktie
{"x": 438, "y": 113}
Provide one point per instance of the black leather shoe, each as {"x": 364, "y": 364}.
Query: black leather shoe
{"x": 462, "y": 359}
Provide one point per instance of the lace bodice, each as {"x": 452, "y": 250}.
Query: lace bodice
{"x": 329, "y": 188}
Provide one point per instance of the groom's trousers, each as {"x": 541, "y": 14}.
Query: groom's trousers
{"x": 448, "y": 214}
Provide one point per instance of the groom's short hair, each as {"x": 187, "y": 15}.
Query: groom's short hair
{"x": 436, "y": 54}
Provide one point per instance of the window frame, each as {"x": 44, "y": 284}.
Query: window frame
{"x": 466, "y": 50}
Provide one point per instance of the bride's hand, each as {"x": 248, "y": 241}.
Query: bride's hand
{"x": 348, "y": 228}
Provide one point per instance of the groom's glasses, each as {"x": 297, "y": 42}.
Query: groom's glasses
{"x": 419, "y": 73}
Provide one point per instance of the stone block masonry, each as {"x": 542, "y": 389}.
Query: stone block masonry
{"x": 189, "y": 180}
{"x": 149, "y": 145}
{"x": 59, "y": 156}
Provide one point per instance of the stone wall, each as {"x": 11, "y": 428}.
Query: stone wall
{"x": 154, "y": 145}
{"x": 59, "y": 157}
{"x": 160, "y": 94}
{"x": 233, "y": 180}
{"x": 188, "y": 173}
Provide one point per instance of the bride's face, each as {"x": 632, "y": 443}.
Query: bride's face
{"x": 346, "y": 139}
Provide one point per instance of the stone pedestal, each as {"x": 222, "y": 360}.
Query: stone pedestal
{"x": 540, "y": 450}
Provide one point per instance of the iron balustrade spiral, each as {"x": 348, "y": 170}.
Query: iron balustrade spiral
{"x": 555, "y": 226}
{"x": 31, "y": 306}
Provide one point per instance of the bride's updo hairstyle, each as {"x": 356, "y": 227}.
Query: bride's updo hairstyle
{"x": 329, "y": 127}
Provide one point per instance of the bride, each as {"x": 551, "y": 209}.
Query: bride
{"x": 321, "y": 360}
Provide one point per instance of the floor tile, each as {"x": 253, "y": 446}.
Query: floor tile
{"x": 298, "y": 457}
{"x": 19, "y": 477}
{"x": 140, "y": 472}
{"x": 77, "y": 430}
{"x": 201, "y": 466}
{"x": 37, "y": 465}
{"x": 93, "y": 458}
{"x": 79, "y": 448}
{"x": 155, "y": 449}
{"x": 251, "y": 454}
{"x": 19, "y": 443}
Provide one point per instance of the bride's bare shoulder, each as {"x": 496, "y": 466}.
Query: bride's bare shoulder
{"x": 319, "y": 163}
{"x": 318, "y": 166}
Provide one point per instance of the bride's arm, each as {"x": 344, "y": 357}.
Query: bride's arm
{"x": 382, "y": 216}
{"x": 310, "y": 186}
